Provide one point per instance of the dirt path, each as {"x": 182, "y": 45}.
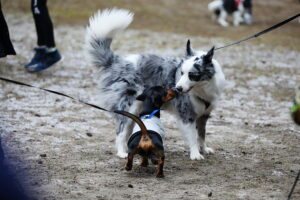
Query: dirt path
{"x": 68, "y": 151}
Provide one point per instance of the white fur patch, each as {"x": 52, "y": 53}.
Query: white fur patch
{"x": 153, "y": 124}
{"x": 215, "y": 5}
{"x": 107, "y": 23}
{"x": 133, "y": 58}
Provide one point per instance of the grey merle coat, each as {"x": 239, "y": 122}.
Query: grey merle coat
{"x": 123, "y": 78}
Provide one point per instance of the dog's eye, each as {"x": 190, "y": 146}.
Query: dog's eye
{"x": 194, "y": 76}
{"x": 196, "y": 59}
{"x": 181, "y": 73}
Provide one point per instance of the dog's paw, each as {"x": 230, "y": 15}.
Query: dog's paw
{"x": 160, "y": 175}
{"x": 196, "y": 156}
{"x": 122, "y": 154}
{"x": 208, "y": 150}
{"x": 128, "y": 167}
{"x": 223, "y": 23}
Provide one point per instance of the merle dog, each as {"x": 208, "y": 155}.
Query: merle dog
{"x": 197, "y": 75}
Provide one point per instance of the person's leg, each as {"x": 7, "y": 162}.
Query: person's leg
{"x": 46, "y": 53}
{"x": 6, "y": 47}
{"x": 43, "y": 23}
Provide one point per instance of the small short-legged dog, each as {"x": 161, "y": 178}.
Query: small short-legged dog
{"x": 148, "y": 133}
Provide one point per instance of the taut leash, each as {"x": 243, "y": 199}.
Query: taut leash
{"x": 54, "y": 92}
{"x": 261, "y": 33}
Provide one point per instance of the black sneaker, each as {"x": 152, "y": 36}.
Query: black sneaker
{"x": 49, "y": 59}
{"x": 38, "y": 56}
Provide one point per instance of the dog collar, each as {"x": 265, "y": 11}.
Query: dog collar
{"x": 151, "y": 115}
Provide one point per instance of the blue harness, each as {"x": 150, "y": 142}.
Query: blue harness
{"x": 151, "y": 115}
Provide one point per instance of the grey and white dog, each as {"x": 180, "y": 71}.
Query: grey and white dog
{"x": 197, "y": 76}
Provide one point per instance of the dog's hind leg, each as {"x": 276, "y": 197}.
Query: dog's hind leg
{"x": 144, "y": 162}
{"x": 128, "y": 166}
{"x": 125, "y": 127}
{"x": 160, "y": 166}
{"x": 201, "y": 127}
{"x": 190, "y": 134}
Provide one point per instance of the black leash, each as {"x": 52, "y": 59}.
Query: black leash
{"x": 54, "y": 92}
{"x": 294, "y": 185}
{"x": 262, "y": 32}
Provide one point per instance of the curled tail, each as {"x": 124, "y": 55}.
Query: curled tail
{"x": 103, "y": 27}
{"x": 215, "y": 5}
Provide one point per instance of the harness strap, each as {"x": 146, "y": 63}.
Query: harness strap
{"x": 151, "y": 115}
{"x": 150, "y": 132}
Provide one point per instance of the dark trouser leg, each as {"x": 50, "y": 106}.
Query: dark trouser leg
{"x": 6, "y": 47}
{"x": 43, "y": 23}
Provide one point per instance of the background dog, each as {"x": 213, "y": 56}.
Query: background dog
{"x": 241, "y": 11}
{"x": 198, "y": 76}
{"x": 148, "y": 132}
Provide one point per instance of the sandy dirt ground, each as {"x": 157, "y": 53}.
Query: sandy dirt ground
{"x": 65, "y": 150}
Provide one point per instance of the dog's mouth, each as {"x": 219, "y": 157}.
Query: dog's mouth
{"x": 171, "y": 94}
{"x": 189, "y": 89}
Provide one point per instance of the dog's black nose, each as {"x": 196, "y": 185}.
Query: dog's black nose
{"x": 179, "y": 89}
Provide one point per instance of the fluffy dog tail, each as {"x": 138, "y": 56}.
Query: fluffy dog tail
{"x": 215, "y": 5}
{"x": 103, "y": 27}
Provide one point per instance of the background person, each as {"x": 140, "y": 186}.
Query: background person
{"x": 6, "y": 47}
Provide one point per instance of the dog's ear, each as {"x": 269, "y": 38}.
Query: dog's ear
{"x": 208, "y": 57}
{"x": 141, "y": 97}
{"x": 189, "y": 50}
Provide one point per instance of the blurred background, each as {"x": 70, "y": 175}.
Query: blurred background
{"x": 188, "y": 17}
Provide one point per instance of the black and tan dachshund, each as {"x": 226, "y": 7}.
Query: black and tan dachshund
{"x": 148, "y": 133}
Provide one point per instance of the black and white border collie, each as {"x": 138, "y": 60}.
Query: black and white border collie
{"x": 197, "y": 76}
{"x": 241, "y": 11}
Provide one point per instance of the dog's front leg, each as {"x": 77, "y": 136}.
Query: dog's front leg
{"x": 222, "y": 18}
{"x": 189, "y": 132}
{"x": 201, "y": 128}
{"x": 237, "y": 18}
